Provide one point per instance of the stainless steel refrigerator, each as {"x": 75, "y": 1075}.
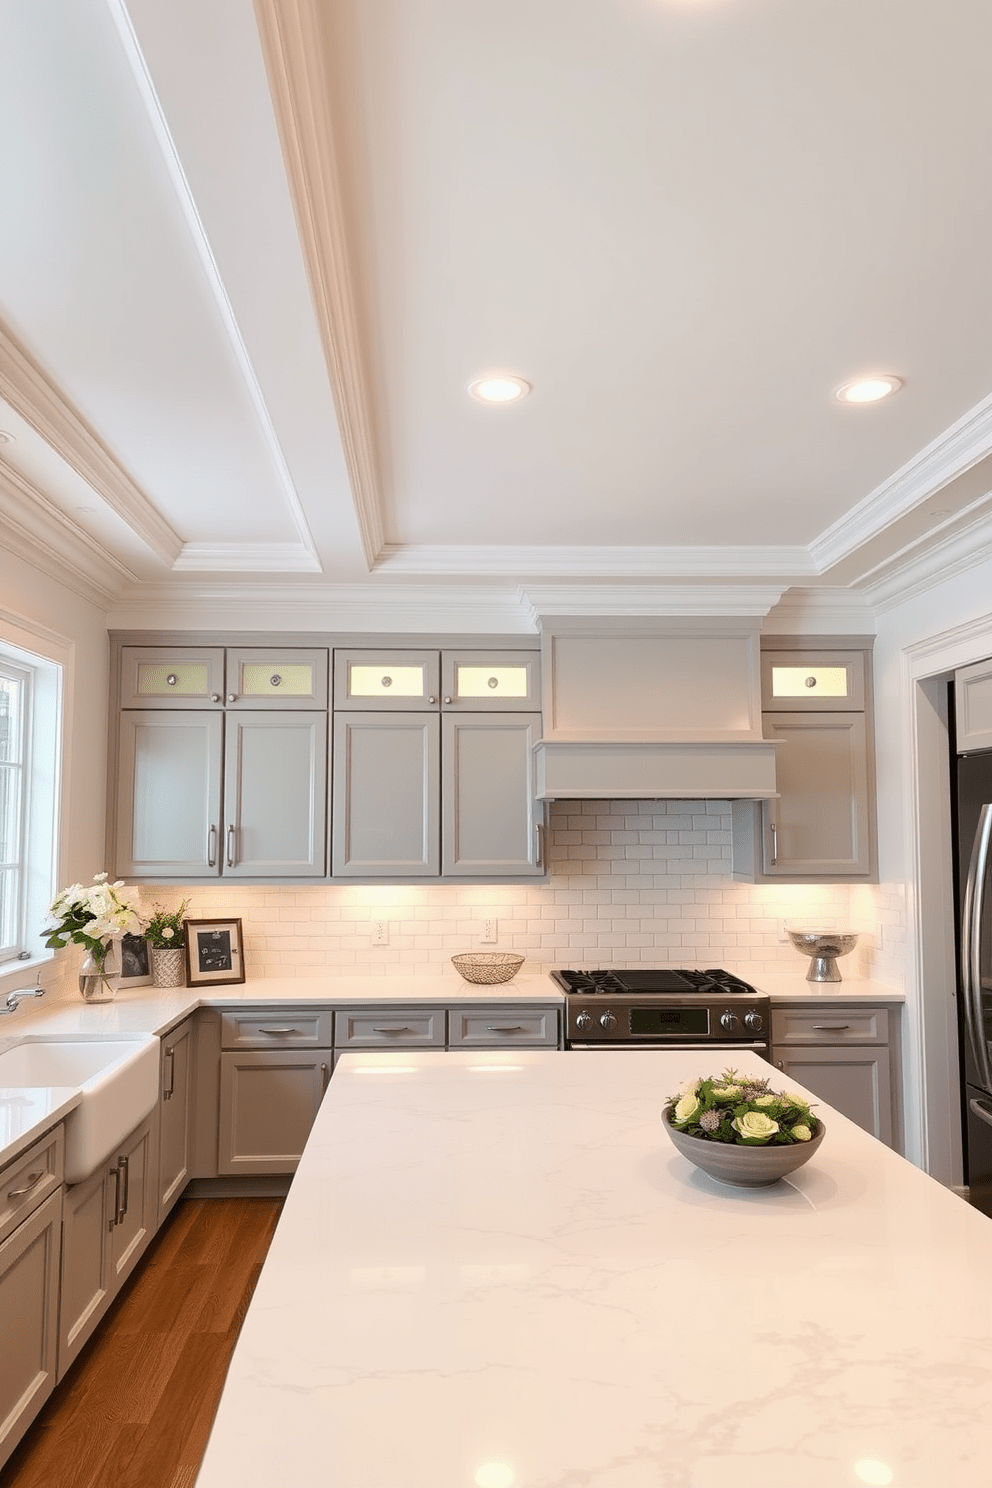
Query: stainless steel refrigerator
{"x": 973, "y": 831}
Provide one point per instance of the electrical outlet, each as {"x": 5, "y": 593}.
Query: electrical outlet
{"x": 380, "y": 932}
{"x": 783, "y": 933}
{"x": 489, "y": 934}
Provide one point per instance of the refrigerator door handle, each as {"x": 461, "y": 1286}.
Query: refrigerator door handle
{"x": 971, "y": 944}
{"x": 982, "y": 1109}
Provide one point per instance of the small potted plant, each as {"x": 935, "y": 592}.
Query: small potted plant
{"x": 737, "y": 1129}
{"x": 166, "y": 937}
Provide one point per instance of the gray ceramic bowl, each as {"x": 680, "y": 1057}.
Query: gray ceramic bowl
{"x": 744, "y": 1167}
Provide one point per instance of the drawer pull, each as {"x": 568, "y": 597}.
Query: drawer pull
{"x": 830, "y": 1027}
{"x": 279, "y": 1030}
{"x": 391, "y": 1030}
{"x": 32, "y": 1182}
{"x": 504, "y": 1028}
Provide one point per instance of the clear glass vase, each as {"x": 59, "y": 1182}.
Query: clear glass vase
{"x": 100, "y": 974}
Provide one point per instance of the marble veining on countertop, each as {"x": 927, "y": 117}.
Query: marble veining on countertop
{"x": 495, "y": 1269}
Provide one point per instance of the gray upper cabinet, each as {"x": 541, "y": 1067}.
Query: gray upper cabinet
{"x": 491, "y": 681}
{"x": 386, "y": 795}
{"x": 206, "y": 789}
{"x": 821, "y": 825}
{"x": 489, "y": 815}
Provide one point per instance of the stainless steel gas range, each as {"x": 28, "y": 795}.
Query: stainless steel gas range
{"x": 649, "y": 1009}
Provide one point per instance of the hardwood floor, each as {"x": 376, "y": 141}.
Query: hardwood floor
{"x": 136, "y": 1409}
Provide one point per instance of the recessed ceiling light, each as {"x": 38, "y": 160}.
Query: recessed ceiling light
{"x": 867, "y": 389}
{"x": 499, "y": 389}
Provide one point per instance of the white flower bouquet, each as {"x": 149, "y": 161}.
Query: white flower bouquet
{"x": 739, "y": 1109}
{"x": 93, "y": 917}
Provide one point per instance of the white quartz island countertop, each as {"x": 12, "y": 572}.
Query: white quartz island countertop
{"x": 494, "y": 1271}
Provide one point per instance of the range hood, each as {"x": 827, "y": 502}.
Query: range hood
{"x": 651, "y": 709}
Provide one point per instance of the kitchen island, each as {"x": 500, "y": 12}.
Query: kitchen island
{"x": 494, "y": 1271}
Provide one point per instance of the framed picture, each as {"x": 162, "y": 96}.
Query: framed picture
{"x": 213, "y": 952}
{"x": 136, "y": 970}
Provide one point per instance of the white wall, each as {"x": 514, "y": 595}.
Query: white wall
{"x": 39, "y": 613}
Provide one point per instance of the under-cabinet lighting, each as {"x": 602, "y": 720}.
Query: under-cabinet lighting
{"x": 488, "y": 1069}
{"x": 494, "y": 1475}
{"x": 870, "y": 1471}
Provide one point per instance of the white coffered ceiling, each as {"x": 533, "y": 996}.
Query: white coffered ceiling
{"x": 252, "y": 257}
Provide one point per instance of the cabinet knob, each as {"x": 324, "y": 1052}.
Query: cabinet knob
{"x": 215, "y": 697}
{"x": 386, "y": 681}
{"x": 810, "y": 681}
{"x": 275, "y": 679}
{"x": 171, "y": 679}
{"x": 432, "y": 699}
{"x": 493, "y": 682}
{"x": 447, "y": 700}
{"x": 232, "y": 697}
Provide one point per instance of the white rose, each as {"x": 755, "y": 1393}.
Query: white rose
{"x": 801, "y": 1133}
{"x": 755, "y": 1126}
{"x": 686, "y": 1109}
{"x": 168, "y": 933}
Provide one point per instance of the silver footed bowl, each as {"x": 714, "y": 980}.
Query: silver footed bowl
{"x": 823, "y": 946}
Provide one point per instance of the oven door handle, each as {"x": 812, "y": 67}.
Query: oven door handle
{"x": 711, "y": 1048}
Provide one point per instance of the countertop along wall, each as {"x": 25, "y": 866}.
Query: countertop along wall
{"x": 631, "y": 882}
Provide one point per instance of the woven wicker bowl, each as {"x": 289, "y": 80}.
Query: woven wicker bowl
{"x": 744, "y": 1167}
{"x": 488, "y": 967}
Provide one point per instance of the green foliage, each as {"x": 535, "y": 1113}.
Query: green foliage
{"x": 164, "y": 928}
{"x": 746, "y": 1112}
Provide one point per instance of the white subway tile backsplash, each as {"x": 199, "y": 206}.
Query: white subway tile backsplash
{"x": 630, "y": 882}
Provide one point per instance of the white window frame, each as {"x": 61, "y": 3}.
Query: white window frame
{"x": 41, "y": 659}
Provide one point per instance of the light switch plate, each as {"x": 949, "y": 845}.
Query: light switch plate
{"x": 490, "y": 931}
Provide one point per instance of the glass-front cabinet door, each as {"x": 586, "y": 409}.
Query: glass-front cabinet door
{"x": 812, "y": 681}
{"x": 270, "y": 678}
{"x": 491, "y": 681}
{"x": 172, "y": 677}
{"x": 386, "y": 681}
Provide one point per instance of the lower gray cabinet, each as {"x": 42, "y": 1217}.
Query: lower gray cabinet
{"x": 268, "y": 1101}
{"x": 175, "y": 1113}
{"x": 108, "y": 1221}
{"x": 846, "y": 1054}
{"x": 31, "y": 1221}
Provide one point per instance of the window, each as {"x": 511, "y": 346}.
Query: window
{"x": 30, "y": 688}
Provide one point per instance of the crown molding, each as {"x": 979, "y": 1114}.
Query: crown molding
{"x": 37, "y": 531}
{"x": 650, "y": 599}
{"x": 208, "y": 264}
{"x": 246, "y": 558}
{"x": 828, "y": 611}
{"x": 454, "y": 609}
{"x": 946, "y": 457}
{"x": 295, "y": 47}
{"x": 39, "y": 403}
{"x": 598, "y": 562}
{"x": 961, "y": 550}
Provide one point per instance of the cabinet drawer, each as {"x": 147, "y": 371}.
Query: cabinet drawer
{"x": 30, "y": 1178}
{"x": 495, "y": 1027}
{"x": 830, "y": 1025}
{"x": 276, "y": 1028}
{"x": 420, "y": 1027}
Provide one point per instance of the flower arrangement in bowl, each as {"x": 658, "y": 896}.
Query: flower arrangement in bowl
{"x": 165, "y": 932}
{"x": 737, "y": 1129}
{"x": 98, "y": 918}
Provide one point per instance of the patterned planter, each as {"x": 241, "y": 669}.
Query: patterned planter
{"x": 168, "y": 967}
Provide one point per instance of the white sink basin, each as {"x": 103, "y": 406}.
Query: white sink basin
{"x": 118, "y": 1080}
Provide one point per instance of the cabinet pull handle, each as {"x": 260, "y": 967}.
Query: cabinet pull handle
{"x": 115, "y": 1173}
{"x": 170, "y": 1089}
{"x": 125, "y": 1164}
{"x": 230, "y": 847}
{"x": 391, "y": 1030}
{"x": 539, "y": 829}
{"x": 830, "y": 1027}
{"x": 780, "y": 1063}
{"x": 325, "y": 1071}
{"x": 33, "y": 1180}
{"x": 504, "y": 1028}
{"x": 774, "y": 830}
{"x": 278, "y": 1030}
{"x": 212, "y": 846}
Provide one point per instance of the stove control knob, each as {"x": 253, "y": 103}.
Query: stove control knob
{"x": 753, "y": 1022}
{"x": 608, "y": 1021}
{"x": 583, "y": 1020}
{"x": 729, "y": 1022}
